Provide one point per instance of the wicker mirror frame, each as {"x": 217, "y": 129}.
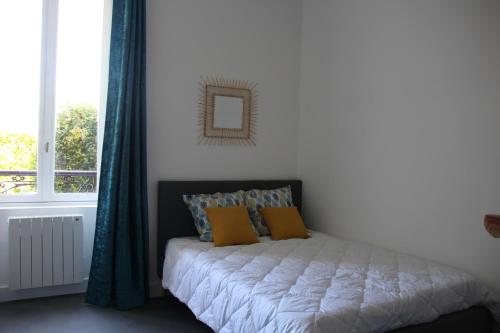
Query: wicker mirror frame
{"x": 247, "y": 92}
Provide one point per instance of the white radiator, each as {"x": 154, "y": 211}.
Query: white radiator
{"x": 45, "y": 251}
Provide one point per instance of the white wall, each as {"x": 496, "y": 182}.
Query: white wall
{"x": 87, "y": 211}
{"x": 399, "y": 115}
{"x": 399, "y": 140}
{"x": 256, "y": 40}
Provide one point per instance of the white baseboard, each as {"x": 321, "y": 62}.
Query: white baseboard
{"x": 7, "y": 295}
{"x": 155, "y": 289}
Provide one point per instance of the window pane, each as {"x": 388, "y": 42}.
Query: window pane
{"x": 20, "y": 58}
{"x": 78, "y": 78}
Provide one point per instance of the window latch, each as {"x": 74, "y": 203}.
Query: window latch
{"x": 47, "y": 147}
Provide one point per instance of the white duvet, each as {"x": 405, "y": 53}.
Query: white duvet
{"x": 321, "y": 284}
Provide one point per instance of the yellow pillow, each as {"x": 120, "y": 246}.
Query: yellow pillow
{"x": 231, "y": 226}
{"x": 284, "y": 222}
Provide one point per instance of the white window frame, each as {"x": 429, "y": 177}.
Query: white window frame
{"x": 45, "y": 178}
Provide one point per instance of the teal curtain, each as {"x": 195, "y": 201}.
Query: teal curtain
{"x": 119, "y": 270}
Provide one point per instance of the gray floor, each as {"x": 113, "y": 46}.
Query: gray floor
{"x": 69, "y": 314}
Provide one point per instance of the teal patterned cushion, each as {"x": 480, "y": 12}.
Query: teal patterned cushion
{"x": 257, "y": 199}
{"x": 198, "y": 202}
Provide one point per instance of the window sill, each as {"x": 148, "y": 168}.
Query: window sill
{"x": 53, "y": 199}
{"x": 48, "y": 204}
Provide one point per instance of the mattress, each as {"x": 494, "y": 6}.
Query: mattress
{"x": 320, "y": 284}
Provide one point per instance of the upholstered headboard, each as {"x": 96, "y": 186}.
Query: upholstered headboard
{"x": 175, "y": 220}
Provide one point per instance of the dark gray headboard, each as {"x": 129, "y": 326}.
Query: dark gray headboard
{"x": 175, "y": 220}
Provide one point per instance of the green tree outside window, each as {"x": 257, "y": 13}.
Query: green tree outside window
{"x": 75, "y": 144}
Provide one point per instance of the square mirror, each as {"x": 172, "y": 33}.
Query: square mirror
{"x": 227, "y": 111}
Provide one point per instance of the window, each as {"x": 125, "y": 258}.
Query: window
{"x": 53, "y": 76}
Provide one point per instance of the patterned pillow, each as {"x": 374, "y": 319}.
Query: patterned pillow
{"x": 198, "y": 202}
{"x": 257, "y": 199}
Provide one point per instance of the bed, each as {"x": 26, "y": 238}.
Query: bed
{"x": 321, "y": 284}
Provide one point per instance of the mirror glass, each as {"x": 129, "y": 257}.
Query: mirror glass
{"x": 228, "y": 112}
